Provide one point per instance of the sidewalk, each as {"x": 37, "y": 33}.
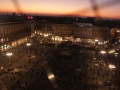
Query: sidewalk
{"x": 16, "y": 55}
{"x": 9, "y": 78}
{"x": 93, "y": 72}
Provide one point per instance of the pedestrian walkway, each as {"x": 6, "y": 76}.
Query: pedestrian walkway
{"x": 20, "y": 68}
{"x": 2, "y": 85}
{"x": 99, "y": 75}
{"x": 17, "y": 54}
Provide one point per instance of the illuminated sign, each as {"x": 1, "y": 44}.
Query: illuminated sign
{"x": 30, "y": 17}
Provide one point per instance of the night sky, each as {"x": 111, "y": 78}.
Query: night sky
{"x": 62, "y": 7}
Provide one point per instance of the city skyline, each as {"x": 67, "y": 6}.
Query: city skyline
{"x": 62, "y": 52}
{"x": 62, "y": 7}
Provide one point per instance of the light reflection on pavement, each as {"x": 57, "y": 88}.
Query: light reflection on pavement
{"x": 51, "y": 76}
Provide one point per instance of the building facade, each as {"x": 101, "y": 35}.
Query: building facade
{"x": 115, "y": 35}
{"x": 43, "y": 27}
{"x": 64, "y": 32}
{"x": 78, "y": 34}
{"x": 14, "y": 33}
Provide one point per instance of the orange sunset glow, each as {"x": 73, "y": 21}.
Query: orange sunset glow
{"x": 62, "y": 7}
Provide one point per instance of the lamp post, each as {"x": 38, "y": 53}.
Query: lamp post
{"x": 9, "y": 54}
{"x": 96, "y": 41}
{"x": 103, "y": 52}
{"x": 118, "y": 35}
{"x": 116, "y": 54}
{"x": 28, "y": 44}
{"x": 111, "y": 67}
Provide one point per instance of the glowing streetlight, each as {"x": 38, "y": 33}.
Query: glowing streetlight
{"x": 116, "y": 54}
{"x": 96, "y": 40}
{"x": 46, "y": 35}
{"x": 9, "y": 54}
{"x": 102, "y": 52}
{"x": 112, "y": 67}
{"x": 28, "y": 44}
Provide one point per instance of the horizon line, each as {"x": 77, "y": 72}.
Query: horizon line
{"x": 67, "y": 15}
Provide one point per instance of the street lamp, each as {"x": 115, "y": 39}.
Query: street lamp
{"x": 9, "y": 54}
{"x": 96, "y": 41}
{"x": 46, "y": 35}
{"x": 111, "y": 67}
{"x": 116, "y": 54}
{"x": 28, "y": 44}
{"x": 103, "y": 52}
